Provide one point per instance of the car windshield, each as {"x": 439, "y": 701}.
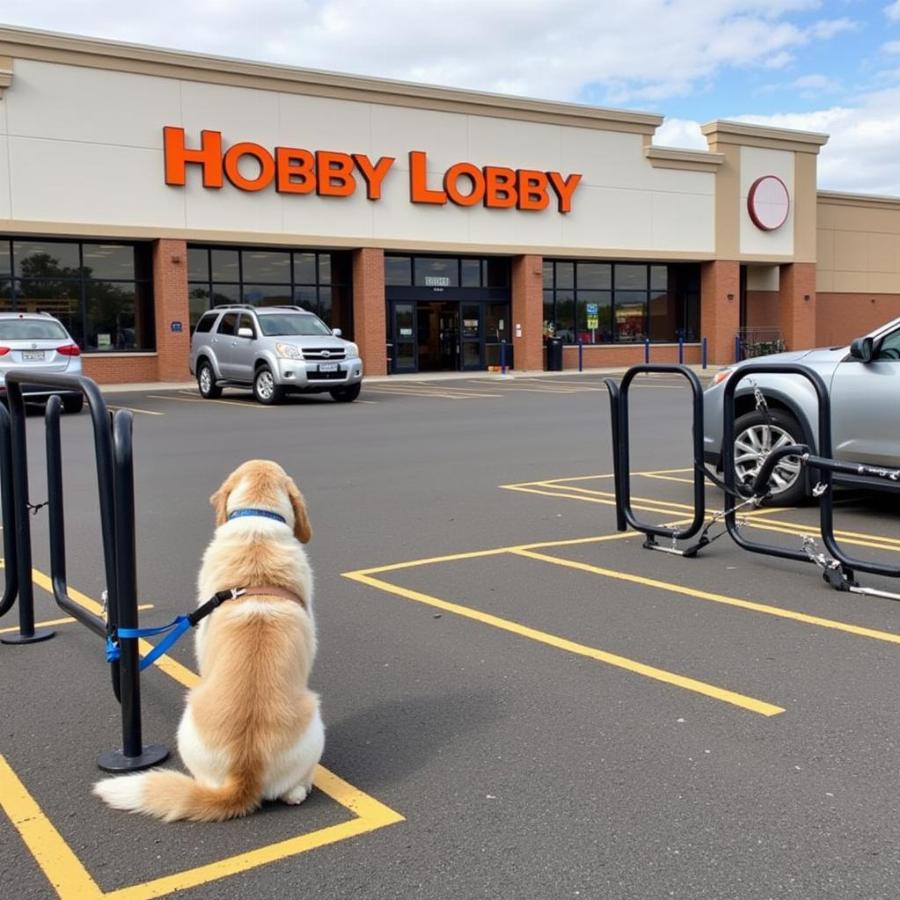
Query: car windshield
{"x": 280, "y": 324}
{"x": 31, "y": 330}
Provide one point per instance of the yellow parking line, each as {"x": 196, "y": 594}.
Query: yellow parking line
{"x": 690, "y": 684}
{"x": 247, "y": 405}
{"x": 135, "y": 409}
{"x": 68, "y": 620}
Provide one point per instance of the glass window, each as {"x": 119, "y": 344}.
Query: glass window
{"x": 496, "y": 272}
{"x": 549, "y": 315}
{"x": 594, "y": 275}
{"x": 324, "y": 268}
{"x": 198, "y": 264}
{"x": 304, "y": 268}
{"x": 246, "y": 321}
{"x": 659, "y": 278}
{"x": 273, "y": 266}
{"x": 631, "y": 316}
{"x": 61, "y": 299}
{"x": 198, "y": 302}
{"x": 548, "y": 274}
{"x": 5, "y": 258}
{"x": 666, "y": 317}
{"x": 565, "y": 316}
{"x": 206, "y": 323}
{"x": 225, "y": 265}
{"x": 278, "y": 324}
{"x": 31, "y": 330}
{"x": 496, "y": 322}
{"x": 37, "y": 259}
{"x": 228, "y": 325}
{"x": 224, "y": 294}
{"x": 471, "y": 272}
{"x": 109, "y": 261}
{"x": 6, "y": 293}
{"x": 307, "y": 297}
{"x": 630, "y": 277}
{"x": 437, "y": 271}
{"x": 889, "y": 349}
{"x": 116, "y": 319}
{"x": 324, "y": 309}
{"x": 565, "y": 275}
{"x": 267, "y": 294}
{"x": 398, "y": 271}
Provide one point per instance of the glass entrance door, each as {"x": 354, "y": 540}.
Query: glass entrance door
{"x": 404, "y": 333}
{"x": 472, "y": 336}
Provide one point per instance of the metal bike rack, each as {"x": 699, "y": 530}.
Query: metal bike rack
{"x": 618, "y": 401}
{"x": 114, "y": 454}
{"x": 11, "y": 582}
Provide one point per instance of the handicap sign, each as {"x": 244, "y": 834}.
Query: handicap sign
{"x": 176, "y": 327}
{"x": 593, "y": 320}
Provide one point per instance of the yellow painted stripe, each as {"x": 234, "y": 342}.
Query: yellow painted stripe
{"x": 62, "y": 867}
{"x": 671, "y": 587}
{"x": 552, "y": 640}
{"x": 68, "y": 620}
{"x": 135, "y": 409}
{"x": 247, "y": 405}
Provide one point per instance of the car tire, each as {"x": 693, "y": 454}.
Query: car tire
{"x": 265, "y": 390}
{"x": 206, "y": 382}
{"x": 346, "y": 394}
{"x": 789, "y": 482}
{"x": 73, "y": 405}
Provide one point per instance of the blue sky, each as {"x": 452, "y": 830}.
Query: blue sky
{"x": 832, "y": 67}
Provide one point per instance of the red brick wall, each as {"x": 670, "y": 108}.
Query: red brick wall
{"x": 797, "y": 305}
{"x": 369, "y": 309}
{"x": 842, "y": 317}
{"x": 120, "y": 368}
{"x": 528, "y": 312}
{"x": 762, "y": 309}
{"x": 606, "y": 356}
{"x": 720, "y": 308}
{"x": 170, "y": 295}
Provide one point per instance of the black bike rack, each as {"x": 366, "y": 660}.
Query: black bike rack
{"x": 839, "y": 568}
{"x": 11, "y": 575}
{"x": 114, "y": 452}
{"x": 618, "y": 401}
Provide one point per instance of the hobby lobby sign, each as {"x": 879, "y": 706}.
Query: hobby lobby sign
{"x": 294, "y": 170}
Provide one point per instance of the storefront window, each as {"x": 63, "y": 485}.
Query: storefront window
{"x": 661, "y": 302}
{"x": 436, "y": 271}
{"x": 100, "y": 291}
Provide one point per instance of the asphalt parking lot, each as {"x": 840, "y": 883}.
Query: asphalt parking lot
{"x": 520, "y": 702}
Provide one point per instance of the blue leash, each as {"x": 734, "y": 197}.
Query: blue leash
{"x": 173, "y": 631}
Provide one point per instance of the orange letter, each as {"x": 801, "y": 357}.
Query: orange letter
{"x": 261, "y": 155}
{"x": 464, "y": 170}
{"x": 501, "y": 187}
{"x": 374, "y": 175}
{"x": 294, "y": 168}
{"x": 177, "y": 156}
{"x": 564, "y": 188}
{"x": 419, "y": 191}
{"x": 532, "y": 189}
{"x": 335, "y": 174}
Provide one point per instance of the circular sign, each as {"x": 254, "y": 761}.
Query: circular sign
{"x": 768, "y": 202}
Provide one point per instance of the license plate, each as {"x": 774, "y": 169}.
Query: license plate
{"x": 329, "y": 367}
{"x": 30, "y": 355}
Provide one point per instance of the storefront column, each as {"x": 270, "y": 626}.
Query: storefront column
{"x": 170, "y": 299}
{"x": 528, "y": 312}
{"x": 368, "y": 309}
{"x": 720, "y": 308}
{"x": 797, "y": 305}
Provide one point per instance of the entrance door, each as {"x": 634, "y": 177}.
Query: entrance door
{"x": 437, "y": 336}
{"x": 472, "y": 336}
{"x": 404, "y": 331}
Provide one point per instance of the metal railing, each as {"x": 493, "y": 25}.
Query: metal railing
{"x": 114, "y": 454}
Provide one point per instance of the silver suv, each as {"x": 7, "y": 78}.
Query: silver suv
{"x": 37, "y": 342}
{"x": 273, "y": 350}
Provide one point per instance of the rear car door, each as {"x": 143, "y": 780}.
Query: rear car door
{"x": 865, "y": 406}
{"x": 244, "y": 352}
{"x": 224, "y": 344}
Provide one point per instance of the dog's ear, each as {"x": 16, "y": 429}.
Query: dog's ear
{"x": 302, "y": 530}
{"x": 219, "y": 499}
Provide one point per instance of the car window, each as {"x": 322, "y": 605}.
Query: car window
{"x": 281, "y": 324}
{"x": 206, "y": 323}
{"x": 228, "y": 325}
{"x": 31, "y": 330}
{"x": 889, "y": 349}
{"x": 246, "y": 321}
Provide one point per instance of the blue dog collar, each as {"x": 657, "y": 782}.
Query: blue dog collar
{"x": 266, "y": 514}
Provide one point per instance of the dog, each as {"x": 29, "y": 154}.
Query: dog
{"x": 251, "y": 729}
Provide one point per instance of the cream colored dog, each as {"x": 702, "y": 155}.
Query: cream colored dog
{"x": 251, "y": 730}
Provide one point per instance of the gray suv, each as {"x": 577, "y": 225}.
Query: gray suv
{"x": 273, "y": 350}
{"x": 863, "y": 381}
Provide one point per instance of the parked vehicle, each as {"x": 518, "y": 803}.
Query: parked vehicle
{"x": 37, "y": 342}
{"x": 863, "y": 381}
{"x": 273, "y": 351}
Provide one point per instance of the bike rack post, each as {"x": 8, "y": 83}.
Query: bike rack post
{"x": 113, "y": 448}
{"x": 618, "y": 395}
{"x": 11, "y": 585}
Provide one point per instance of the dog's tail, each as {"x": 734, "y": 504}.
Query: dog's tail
{"x": 171, "y": 796}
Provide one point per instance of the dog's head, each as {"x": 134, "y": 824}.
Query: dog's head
{"x": 262, "y": 484}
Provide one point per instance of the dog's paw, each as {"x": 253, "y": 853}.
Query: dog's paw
{"x": 296, "y": 795}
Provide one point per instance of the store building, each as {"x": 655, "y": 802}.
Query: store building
{"x": 440, "y": 229}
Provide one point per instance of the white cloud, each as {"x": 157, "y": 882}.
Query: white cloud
{"x": 892, "y": 11}
{"x": 891, "y": 47}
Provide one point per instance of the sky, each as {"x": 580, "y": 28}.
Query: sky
{"x": 831, "y": 67}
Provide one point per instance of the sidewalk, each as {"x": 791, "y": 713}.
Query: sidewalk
{"x": 416, "y": 377}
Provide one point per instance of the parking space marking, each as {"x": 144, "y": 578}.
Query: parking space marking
{"x": 542, "y": 637}
{"x": 68, "y": 620}
{"x": 135, "y": 409}
{"x": 70, "y": 878}
{"x": 414, "y": 390}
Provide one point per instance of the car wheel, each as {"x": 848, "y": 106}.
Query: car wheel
{"x": 264, "y": 388}
{"x": 73, "y": 404}
{"x": 206, "y": 382}
{"x": 346, "y": 394}
{"x": 755, "y": 437}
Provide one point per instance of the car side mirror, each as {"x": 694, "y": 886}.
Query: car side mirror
{"x": 336, "y": 332}
{"x": 245, "y": 332}
{"x": 863, "y": 349}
